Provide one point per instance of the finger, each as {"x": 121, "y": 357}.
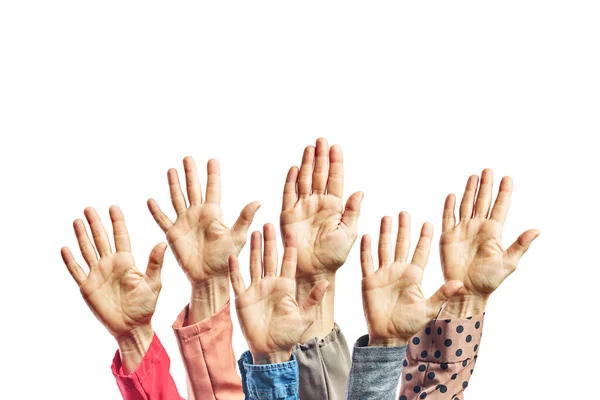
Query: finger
{"x": 255, "y": 256}
{"x": 321, "y": 171}
{"x": 447, "y": 290}
{"x": 213, "y": 183}
{"x": 75, "y": 270}
{"x": 314, "y": 300}
{"x": 403, "y": 238}
{"x": 237, "y": 282}
{"x": 466, "y": 205}
{"x": 241, "y": 226}
{"x": 385, "y": 234}
{"x": 423, "y": 246}
{"x": 306, "y": 169}
{"x": 484, "y": 195}
{"x": 502, "y": 204}
{"x": 192, "y": 181}
{"x": 270, "y": 250}
{"x": 290, "y": 194}
{"x": 176, "y": 194}
{"x": 120, "y": 233}
{"x": 366, "y": 258}
{"x": 98, "y": 232}
{"x": 352, "y": 211}
{"x": 161, "y": 219}
{"x": 88, "y": 251}
{"x": 448, "y": 218}
{"x": 335, "y": 182}
{"x": 155, "y": 262}
{"x": 520, "y": 247}
{"x": 290, "y": 256}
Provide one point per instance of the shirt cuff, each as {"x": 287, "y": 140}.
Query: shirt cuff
{"x": 185, "y": 332}
{"x": 447, "y": 340}
{"x": 269, "y": 381}
{"x": 363, "y": 353}
{"x": 154, "y": 355}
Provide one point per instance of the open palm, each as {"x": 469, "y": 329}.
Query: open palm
{"x": 270, "y": 317}
{"x": 120, "y": 296}
{"x": 199, "y": 239}
{"x": 313, "y": 209}
{"x": 471, "y": 251}
{"x": 394, "y": 305}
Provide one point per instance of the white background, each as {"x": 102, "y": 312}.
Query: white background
{"x": 99, "y": 99}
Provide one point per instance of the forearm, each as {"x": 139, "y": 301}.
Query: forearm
{"x": 324, "y": 320}
{"x": 463, "y": 306}
{"x": 133, "y": 347}
{"x": 208, "y": 297}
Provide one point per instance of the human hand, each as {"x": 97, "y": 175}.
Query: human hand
{"x": 120, "y": 296}
{"x": 199, "y": 239}
{"x": 270, "y": 317}
{"x": 471, "y": 251}
{"x": 313, "y": 210}
{"x": 394, "y": 305}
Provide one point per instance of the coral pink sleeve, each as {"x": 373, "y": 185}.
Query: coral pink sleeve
{"x": 441, "y": 358}
{"x": 207, "y": 353}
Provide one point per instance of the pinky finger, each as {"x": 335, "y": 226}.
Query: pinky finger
{"x": 74, "y": 269}
{"x": 366, "y": 258}
{"x": 237, "y": 282}
{"x": 161, "y": 219}
{"x": 449, "y": 219}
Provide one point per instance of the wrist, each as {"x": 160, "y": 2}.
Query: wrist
{"x": 276, "y": 357}
{"x": 386, "y": 342}
{"x": 463, "y": 306}
{"x": 133, "y": 346}
{"x": 324, "y": 318}
{"x": 208, "y": 297}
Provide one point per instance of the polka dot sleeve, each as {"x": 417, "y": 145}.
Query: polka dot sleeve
{"x": 441, "y": 358}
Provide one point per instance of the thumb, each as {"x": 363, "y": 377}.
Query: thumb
{"x": 352, "y": 210}
{"x": 239, "y": 230}
{"x": 520, "y": 247}
{"x": 438, "y": 299}
{"x": 308, "y": 310}
{"x": 155, "y": 263}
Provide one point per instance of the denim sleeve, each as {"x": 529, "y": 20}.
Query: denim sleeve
{"x": 270, "y": 381}
{"x": 375, "y": 371}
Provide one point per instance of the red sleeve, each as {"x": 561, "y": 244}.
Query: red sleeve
{"x": 151, "y": 379}
{"x": 441, "y": 358}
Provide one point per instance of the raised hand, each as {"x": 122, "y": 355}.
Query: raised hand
{"x": 394, "y": 306}
{"x": 199, "y": 239}
{"x": 119, "y": 295}
{"x": 471, "y": 251}
{"x": 313, "y": 209}
{"x": 270, "y": 317}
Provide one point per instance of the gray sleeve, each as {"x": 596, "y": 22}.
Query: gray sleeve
{"x": 375, "y": 371}
{"x": 324, "y": 365}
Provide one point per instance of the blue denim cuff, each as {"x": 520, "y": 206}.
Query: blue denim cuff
{"x": 269, "y": 381}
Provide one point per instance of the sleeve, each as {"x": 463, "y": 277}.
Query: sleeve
{"x": 370, "y": 365}
{"x": 151, "y": 379}
{"x": 270, "y": 381}
{"x": 207, "y": 353}
{"x": 324, "y": 365}
{"x": 441, "y": 358}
